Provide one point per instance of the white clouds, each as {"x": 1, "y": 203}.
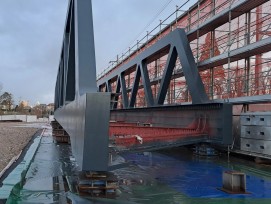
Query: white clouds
{"x": 118, "y": 22}
{"x": 31, "y": 35}
{"x": 30, "y": 41}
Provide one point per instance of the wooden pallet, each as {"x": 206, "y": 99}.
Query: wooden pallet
{"x": 59, "y": 134}
{"x": 61, "y": 139}
{"x": 56, "y": 125}
{"x": 96, "y": 184}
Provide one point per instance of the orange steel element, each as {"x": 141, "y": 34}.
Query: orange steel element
{"x": 206, "y": 76}
{"x": 247, "y": 76}
{"x": 258, "y": 60}
{"x": 134, "y": 134}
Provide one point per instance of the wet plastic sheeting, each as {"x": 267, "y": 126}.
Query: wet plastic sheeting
{"x": 51, "y": 160}
{"x": 172, "y": 176}
{"x": 183, "y": 178}
{"x": 200, "y": 178}
{"x": 22, "y": 196}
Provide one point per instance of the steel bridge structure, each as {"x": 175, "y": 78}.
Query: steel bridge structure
{"x": 230, "y": 42}
{"x": 183, "y": 83}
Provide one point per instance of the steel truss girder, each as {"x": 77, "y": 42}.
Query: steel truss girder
{"x": 235, "y": 10}
{"x": 80, "y": 110}
{"x": 178, "y": 45}
{"x": 234, "y": 55}
{"x": 77, "y": 51}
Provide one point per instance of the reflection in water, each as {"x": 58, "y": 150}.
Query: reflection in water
{"x": 169, "y": 176}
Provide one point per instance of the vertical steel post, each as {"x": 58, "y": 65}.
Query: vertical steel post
{"x": 86, "y": 119}
{"x": 229, "y": 60}
{"x": 84, "y": 48}
{"x": 247, "y": 60}
{"x": 65, "y": 64}
{"x": 198, "y": 16}
{"x": 70, "y": 84}
{"x": 258, "y": 59}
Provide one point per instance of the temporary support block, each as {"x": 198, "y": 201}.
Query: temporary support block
{"x": 234, "y": 182}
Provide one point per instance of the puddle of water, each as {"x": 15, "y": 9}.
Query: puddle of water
{"x": 171, "y": 176}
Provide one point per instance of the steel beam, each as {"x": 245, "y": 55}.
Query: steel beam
{"x": 65, "y": 64}
{"x": 124, "y": 92}
{"x": 56, "y": 92}
{"x": 70, "y": 84}
{"x": 177, "y": 40}
{"x": 170, "y": 64}
{"x": 236, "y": 9}
{"x": 190, "y": 70}
{"x": 247, "y": 100}
{"x": 135, "y": 87}
{"x": 215, "y": 118}
{"x": 86, "y": 120}
{"x": 146, "y": 83}
{"x": 80, "y": 110}
{"x": 84, "y": 48}
{"x": 108, "y": 87}
{"x": 116, "y": 96}
{"x": 61, "y": 87}
{"x": 237, "y": 54}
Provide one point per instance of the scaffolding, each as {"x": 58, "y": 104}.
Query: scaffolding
{"x": 231, "y": 44}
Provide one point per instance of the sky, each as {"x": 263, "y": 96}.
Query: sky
{"x": 31, "y": 34}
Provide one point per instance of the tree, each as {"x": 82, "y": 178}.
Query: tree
{"x": 22, "y": 108}
{"x": 6, "y": 101}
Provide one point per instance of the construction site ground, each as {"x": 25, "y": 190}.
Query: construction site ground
{"x": 13, "y": 138}
{"x": 174, "y": 175}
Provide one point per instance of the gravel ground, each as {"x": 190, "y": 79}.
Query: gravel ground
{"x": 12, "y": 140}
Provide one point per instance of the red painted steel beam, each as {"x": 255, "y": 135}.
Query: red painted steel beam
{"x": 130, "y": 134}
{"x": 122, "y": 123}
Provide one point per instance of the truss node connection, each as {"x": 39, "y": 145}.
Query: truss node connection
{"x": 231, "y": 44}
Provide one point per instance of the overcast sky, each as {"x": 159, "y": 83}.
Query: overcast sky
{"x": 31, "y": 36}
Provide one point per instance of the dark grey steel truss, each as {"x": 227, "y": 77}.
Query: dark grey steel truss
{"x": 80, "y": 110}
{"x": 84, "y": 113}
{"x": 178, "y": 45}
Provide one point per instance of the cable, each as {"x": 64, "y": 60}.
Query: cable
{"x": 151, "y": 21}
